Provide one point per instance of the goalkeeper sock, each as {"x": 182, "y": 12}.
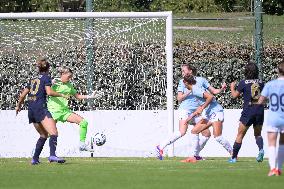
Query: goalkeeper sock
{"x": 272, "y": 157}
{"x": 39, "y": 146}
{"x": 176, "y": 135}
{"x": 83, "y": 130}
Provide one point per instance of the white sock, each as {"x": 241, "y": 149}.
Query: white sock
{"x": 195, "y": 144}
{"x": 272, "y": 157}
{"x": 202, "y": 142}
{"x": 280, "y": 156}
{"x": 224, "y": 143}
{"x": 175, "y": 136}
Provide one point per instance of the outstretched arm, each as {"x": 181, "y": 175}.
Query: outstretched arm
{"x": 234, "y": 92}
{"x": 95, "y": 94}
{"x": 215, "y": 91}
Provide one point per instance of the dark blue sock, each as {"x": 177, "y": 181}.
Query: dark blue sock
{"x": 52, "y": 144}
{"x": 236, "y": 149}
{"x": 259, "y": 142}
{"x": 39, "y": 146}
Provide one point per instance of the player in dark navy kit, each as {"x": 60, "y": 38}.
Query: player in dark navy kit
{"x": 253, "y": 113}
{"x": 37, "y": 90}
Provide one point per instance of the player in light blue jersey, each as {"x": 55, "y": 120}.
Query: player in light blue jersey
{"x": 274, "y": 92}
{"x": 188, "y": 105}
{"x": 214, "y": 114}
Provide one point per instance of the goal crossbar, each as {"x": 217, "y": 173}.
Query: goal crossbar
{"x": 64, "y": 15}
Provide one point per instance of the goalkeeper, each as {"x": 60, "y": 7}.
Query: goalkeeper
{"x": 58, "y": 106}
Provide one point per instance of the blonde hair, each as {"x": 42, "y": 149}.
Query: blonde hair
{"x": 64, "y": 70}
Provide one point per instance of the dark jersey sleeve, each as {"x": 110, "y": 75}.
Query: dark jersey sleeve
{"x": 47, "y": 80}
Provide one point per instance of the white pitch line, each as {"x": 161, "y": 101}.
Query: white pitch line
{"x": 207, "y": 28}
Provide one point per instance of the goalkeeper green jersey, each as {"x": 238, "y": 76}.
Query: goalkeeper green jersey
{"x": 60, "y": 103}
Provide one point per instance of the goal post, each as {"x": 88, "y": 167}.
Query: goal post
{"x": 83, "y": 15}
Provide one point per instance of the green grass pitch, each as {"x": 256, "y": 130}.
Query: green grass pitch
{"x": 129, "y": 173}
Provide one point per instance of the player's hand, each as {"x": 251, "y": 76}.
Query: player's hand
{"x": 233, "y": 84}
{"x": 18, "y": 109}
{"x": 224, "y": 86}
{"x": 96, "y": 94}
{"x": 198, "y": 111}
{"x": 190, "y": 117}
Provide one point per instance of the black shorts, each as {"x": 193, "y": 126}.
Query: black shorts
{"x": 36, "y": 115}
{"x": 252, "y": 115}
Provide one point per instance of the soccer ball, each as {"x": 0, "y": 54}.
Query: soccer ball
{"x": 99, "y": 139}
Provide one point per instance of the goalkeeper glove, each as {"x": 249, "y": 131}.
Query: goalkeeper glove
{"x": 96, "y": 94}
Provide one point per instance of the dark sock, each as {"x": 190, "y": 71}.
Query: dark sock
{"x": 52, "y": 144}
{"x": 236, "y": 149}
{"x": 39, "y": 146}
{"x": 259, "y": 142}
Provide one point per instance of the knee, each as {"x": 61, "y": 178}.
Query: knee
{"x": 207, "y": 133}
{"x": 52, "y": 132}
{"x": 55, "y": 133}
{"x": 194, "y": 131}
{"x": 182, "y": 132}
{"x": 44, "y": 135}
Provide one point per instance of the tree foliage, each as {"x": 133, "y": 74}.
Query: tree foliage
{"x": 180, "y": 6}
{"x": 273, "y": 7}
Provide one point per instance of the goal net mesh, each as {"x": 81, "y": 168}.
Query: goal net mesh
{"x": 129, "y": 59}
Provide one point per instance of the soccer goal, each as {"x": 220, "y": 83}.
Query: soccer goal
{"x": 127, "y": 55}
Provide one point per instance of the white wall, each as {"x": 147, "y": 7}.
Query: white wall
{"x": 129, "y": 133}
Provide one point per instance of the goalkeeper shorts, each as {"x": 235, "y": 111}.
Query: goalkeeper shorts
{"x": 61, "y": 115}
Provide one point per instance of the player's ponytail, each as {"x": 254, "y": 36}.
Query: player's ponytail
{"x": 42, "y": 64}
